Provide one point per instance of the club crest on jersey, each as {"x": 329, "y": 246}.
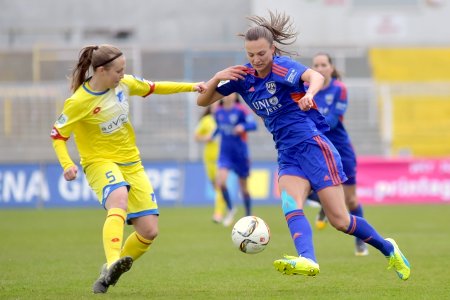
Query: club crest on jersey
{"x": 120, "y": 96}
{"x": 233, "y": 118}
{"x": 329, "y": 99}
{"x": 271, "y": 87}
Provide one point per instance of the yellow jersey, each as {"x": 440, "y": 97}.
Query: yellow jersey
{"x": 99, "y": 121}
{"x": 206, "y": 127}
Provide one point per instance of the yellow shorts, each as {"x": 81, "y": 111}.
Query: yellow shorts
{"x": 105, "y": 177}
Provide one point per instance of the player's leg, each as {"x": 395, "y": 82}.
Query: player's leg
{"x": 142, "y": 212}
{"x": 333, "y": 202}
{"x": 222, "y": 183}
{"x": 294, "y": 190}
{"x": 355, "y": 208}
{"x": 219, "y": 202}
{"x": 111, "y": 189}
{"x": 242, "y": 169}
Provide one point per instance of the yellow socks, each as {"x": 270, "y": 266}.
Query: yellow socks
{"x": 113, "y": 234}
{"x": 135, "y": 246}
{"x": 219, "y": 203}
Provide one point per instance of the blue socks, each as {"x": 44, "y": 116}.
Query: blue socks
{"x": 299, "y": 227}
{"x": 360, "y": 228}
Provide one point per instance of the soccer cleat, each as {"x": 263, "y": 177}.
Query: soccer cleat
{"x": 296, "y": 265}
{"x": 217, "y": 218}
{"x": 110, "y": 276}
{"x": 100, "y": 285}
{"x": 398, "y": 261}
{"x": 361, "y": 248}
{"x": 229, "y": 218}
{"x": 321, "y": 220}
{"x": 119, "y": 267}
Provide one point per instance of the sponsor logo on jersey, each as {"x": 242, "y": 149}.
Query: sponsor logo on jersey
{"x": 114, "y": 124}
{"x": 62, "y": 119}
{"x": 96, "y": 110}
{"x": 290, "y": 76}
{"x": 271, "y": 87}
{"x": 267, "y": 105}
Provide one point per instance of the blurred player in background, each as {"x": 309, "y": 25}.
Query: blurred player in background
{"x": 273, "y": 86}
{"x": 332, "y": 102}
{"x": 233, "y": 122}
{"x": 97, "y": 116}
{"x": 204, "y": 132}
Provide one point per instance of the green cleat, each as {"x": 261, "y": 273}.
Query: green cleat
{"x": 398, "y": 261}
{"x": 296, "y": 265}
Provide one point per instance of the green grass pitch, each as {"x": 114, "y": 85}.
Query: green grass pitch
{"x": 57, "y": 254}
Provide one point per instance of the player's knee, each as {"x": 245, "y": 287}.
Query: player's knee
{"x": 150, "y": 233}
{"x": 340, "y": 223}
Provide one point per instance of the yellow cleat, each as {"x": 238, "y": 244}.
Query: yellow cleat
{"x": 321, "y": 220}
{"x": 398, "y": 262}
{"x": 296, "y": 265}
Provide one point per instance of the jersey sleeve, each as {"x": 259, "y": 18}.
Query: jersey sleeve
{"x": 138, "y": 86}
{"x": 228, "y": 87}
{"x": 287, "y": 71}
{"x": 71, "y": 114}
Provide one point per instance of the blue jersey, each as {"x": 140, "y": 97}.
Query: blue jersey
{"x": 274, "y": 98}
{"x": 332, "y": 102}
{"x": 234, "y": 153}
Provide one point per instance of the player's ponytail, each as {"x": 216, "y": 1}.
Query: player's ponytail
{"x": 279, "y": 29}
{"x": 81, "y": 70}
{"x": 95, "y": 56}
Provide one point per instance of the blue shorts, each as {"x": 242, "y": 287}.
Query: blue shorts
{"x": 240, "y": 164}
{"x": 348, "y": 158}
{"x": 316, "y": 160}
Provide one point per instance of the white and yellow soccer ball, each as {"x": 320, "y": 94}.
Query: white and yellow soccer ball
{"x": 250, "y": 234}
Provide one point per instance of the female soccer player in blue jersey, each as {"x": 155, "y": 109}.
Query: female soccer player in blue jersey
{"x": 97, "y": 115}
{"x": 332, "y": 102}
{"x": 233, "y": 123}
{"x": 273, "y": 86}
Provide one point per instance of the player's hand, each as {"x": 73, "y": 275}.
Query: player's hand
{"x": 70, "y": 173}
{"x": 239, "y": 129}
{"x": 200, "y": 87}
{"x": 232, "y": 73}
{"x": 306, "y": 102}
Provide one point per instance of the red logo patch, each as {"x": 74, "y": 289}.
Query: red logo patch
{"x": 115, "y": 240}
{"x": 97, "y": 110}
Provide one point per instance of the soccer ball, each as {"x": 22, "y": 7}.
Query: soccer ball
{"x": 250, "y": 234}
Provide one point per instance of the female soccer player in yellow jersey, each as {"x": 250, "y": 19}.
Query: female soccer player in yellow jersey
{"x": 97, "y": 116}
{"x": 204, "y": 133}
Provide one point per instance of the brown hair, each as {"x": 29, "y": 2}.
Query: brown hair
{"x": 279, "y": 29}
{"x": 95, "y": 56}
{"x": 335, "y": 74}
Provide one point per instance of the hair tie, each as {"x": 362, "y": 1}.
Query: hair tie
{"x": 108, "y": 61}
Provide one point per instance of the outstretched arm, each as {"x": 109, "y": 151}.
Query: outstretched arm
{"x": 211, "y": 95}
{"x": 170, "y": 87}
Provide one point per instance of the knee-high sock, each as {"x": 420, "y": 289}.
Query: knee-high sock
{"x": 358, "y": 211}
{"x": 360, "y": 228}
{"x": 219, "y": 203}
{"x": 226, "y": 198}
{"x": 135, "y": 246}
{"x": 299, "y": 227}
{"x": 113, "y": 234}
{"x": 247, "y": 204}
